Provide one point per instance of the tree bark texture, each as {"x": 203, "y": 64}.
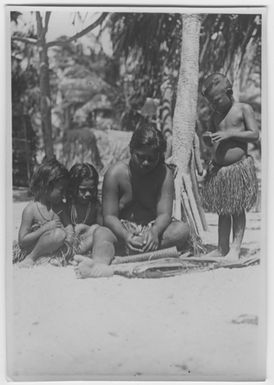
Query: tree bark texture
{"x": 185, "y": 116}
{"x": 186, "y": 103}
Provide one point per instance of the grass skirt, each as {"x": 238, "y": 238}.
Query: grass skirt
{"x": 230, "y": 189}
{"x": 61, "y": 257}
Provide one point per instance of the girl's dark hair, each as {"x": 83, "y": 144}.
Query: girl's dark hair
{"x": 146, "y": 134}
{"x": 216, "y": 81}
{"x": 77, "y": 173}
{"x": 46, "y": 175}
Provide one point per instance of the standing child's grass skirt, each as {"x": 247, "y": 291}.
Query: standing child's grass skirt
{"x": 231, "y": 189}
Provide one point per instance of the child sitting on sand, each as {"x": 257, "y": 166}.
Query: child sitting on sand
{"x": 231, "y": 185}
{"x": 42, "y": 227}
{"x": 84, "y": 206}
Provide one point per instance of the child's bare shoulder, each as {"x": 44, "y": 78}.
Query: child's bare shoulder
{"x": 30, "y": 208}
{"x": 247, "y": 108}
{"x": 244, "y": 107}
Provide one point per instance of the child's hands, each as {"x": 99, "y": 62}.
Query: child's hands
{"x": 80, "y": 228}
{"x": 51, "y": 225}
{"x": 220, "y": 136}
{"x": 207, "y": 138}
{"x": 69, "y": 239}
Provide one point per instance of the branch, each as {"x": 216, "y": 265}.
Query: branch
{"x": 27, "y": 40}
{"x": 79, "y": 34}
{"x": 47, "y": 17}
{"x": 39, "y": 25}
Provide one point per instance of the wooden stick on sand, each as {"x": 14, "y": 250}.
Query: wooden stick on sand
{"x": 170, "y": 252}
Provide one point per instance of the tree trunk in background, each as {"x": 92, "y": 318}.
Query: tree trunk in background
{"x": 185, "y": 116}
{"x": 186, "y": 104}
{"x": 45, "y": 99}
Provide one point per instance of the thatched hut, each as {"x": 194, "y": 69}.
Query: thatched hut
{"x": 97, "y": 112}
{"x": 76, "y": 91}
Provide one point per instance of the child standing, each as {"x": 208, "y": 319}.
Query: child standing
{"x": 231, "y": 184}
{"x": 42, "y": 229}
{"x": 84, "y": 205}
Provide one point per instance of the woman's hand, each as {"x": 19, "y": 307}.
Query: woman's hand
{"x": 151, "y": 240}
{"x": 134, "y": 243}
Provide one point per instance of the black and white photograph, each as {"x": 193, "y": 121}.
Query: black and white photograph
{"x": 136, "y": 240}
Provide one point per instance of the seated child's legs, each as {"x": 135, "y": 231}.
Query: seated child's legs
{"x": 176, "y": 234}
{"x": 48, "y": 243}
{"x": 86, "y": 240}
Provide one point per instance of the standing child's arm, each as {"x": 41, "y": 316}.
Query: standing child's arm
{"x": 251, "y": 133}
{"x": 250, "y": 124}
{"x": 27, "y": 238}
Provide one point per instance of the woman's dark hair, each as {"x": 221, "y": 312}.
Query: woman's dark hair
{"x": 77, "y": 174}
{"x": 216, "y": 81}
{"x": 46, "y": 175}
{"x": 146, "y": 134}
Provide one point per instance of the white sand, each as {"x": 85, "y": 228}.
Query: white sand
{"x": 197, "y": 326}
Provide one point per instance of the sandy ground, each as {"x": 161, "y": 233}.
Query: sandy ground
{"x": 197, "y": 326}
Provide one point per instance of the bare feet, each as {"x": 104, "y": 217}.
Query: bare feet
{"x": 214, "y": 254}
{"x": 26, "y": 263}
{"x": 232, "y": 256}
{"x": 87, "y": 268}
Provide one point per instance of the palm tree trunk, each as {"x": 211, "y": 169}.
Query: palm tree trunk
{"x": 185, "y": 116}
{"x": 186, "y": 104}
